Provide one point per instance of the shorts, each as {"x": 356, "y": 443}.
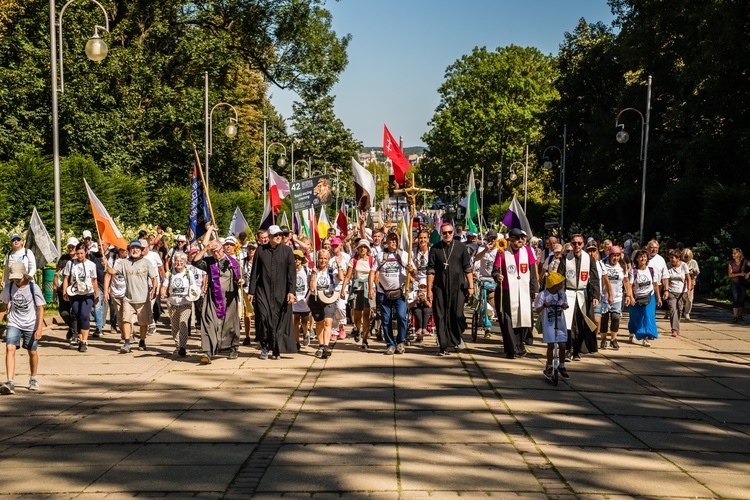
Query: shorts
{"x": 555, "y": 336}
{"x": 142, "y": 313}
{"x": 598, "y": 310}
{"x": 303, "y": 315}
{"x": 615, "y": 308}
{"x": 13, "y": 336}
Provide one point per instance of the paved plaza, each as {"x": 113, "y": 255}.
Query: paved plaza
{"x": 670, "y": 421}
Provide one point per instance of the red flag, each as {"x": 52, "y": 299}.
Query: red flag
{"x": 341, "y": 221}
{"x": 278, "y": 190}
{"x": 391, "y": 149}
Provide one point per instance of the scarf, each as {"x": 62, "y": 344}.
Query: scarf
{"x": 221, "y": 309}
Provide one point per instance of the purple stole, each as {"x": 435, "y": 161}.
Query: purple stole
{"x": 221, "y": 309}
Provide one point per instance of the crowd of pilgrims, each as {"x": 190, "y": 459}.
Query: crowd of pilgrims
{"x": 235, "y": 292}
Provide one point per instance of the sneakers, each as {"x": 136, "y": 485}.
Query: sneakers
{"x": 97, "y": 333}
{"x": 125, "y": 348}
{"x": 234, "y": 353}
{"x": 563, "y": 372}
{"x": 390, "y": 351}
{"x": 151, "y": 329}
{"x": 569, "y": 355}
{"x": 246, "y": 342}
{"x": 327, "y": 352}
{"x": 548, "y": 372}
{"x": 735, "y": 319}
{"x": 320, "y": 352}
{"x": 306, "y": 340}
{"x": 334, "y": 336}
{"x": 8, "y": 388}
{"x": 182, "y": 352}
{"x": 603, "y": 345}
{"x": 142, "y": 345}
{"x": 74, "y": 341}
{"x": 646, "y": 343}
{"x": 264, "y": 353}
{"x": 400, "y": 349}
{"x": 33, "y": 384}
{"x": 299, "y": 347}
{"x": 576, "y": 357}
{"x": 365, "y": 345}
{"x": 631, "y": 338}
{"x": 83, "y": 347}
{"x": 687, "y": 317}
{"x": 461, "y": 346}
{"x": 342, "y": 332}
{"x": 205, "y": 359}
{"x": 615, "y": 345}
{"x": 357, "y": 335}
{"x": 442, "y": 352}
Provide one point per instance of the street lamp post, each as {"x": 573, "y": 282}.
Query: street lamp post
{"x": 548, "y": 165}
{"x": 338, "y": 171}
{"x": 230, "y": 130}
{"x": 513, "y": 177}
{"x": 96, "y": 50}
{"x": 622, "y": 137}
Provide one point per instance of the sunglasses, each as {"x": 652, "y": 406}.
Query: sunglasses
{"x": 576, "y": 243}
{"x": 447, "y": 232}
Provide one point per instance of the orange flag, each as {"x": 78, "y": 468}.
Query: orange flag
{"x": 105, "y": 226}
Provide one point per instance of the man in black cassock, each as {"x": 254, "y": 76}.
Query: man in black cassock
{"x": 273, "y": 282}
{"x": 448, "y": 270}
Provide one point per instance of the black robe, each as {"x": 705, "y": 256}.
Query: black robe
{"x": 273, "y": 276}
{"x": 581, "y": 338}
{"x": 448, "y": 290}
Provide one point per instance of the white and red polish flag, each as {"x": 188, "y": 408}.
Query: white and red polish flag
{"x": 278, "y": 189}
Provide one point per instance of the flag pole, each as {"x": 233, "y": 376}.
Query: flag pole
{"x": 205, "y": 190}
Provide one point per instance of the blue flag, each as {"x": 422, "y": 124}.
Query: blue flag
{"x": 198, "y": 208}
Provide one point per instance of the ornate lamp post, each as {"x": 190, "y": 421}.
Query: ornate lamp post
{"x": 230, "y": 130}
{"x": 622, "y": 137}
{"x": 96, "y": 50}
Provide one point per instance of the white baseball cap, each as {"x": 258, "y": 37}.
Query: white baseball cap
{"x": 87, "y": 234}
{"x": 274, "y": 230}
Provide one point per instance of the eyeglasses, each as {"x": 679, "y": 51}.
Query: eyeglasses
{"x": 577, "y": 243}
{"x": 276, "y": 235}
{"x": 447, "y": 232}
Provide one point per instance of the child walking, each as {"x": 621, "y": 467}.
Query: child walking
{"x": 550, "y": 303}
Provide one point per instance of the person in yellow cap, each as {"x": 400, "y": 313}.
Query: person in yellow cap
{"x": 550, "y": 303}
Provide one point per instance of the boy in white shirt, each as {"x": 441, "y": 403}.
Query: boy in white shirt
{"x": 25, "y": 322}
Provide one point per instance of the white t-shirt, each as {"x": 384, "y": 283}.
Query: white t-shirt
{"x": 154, "y": 258}
{"x": 177, "y": 286}
{"x": 616, "y": 278}
{"x": 486, "y": 263}
{"x": 117, "y": 285}
{"x": 552, "y": 316}
{"x": 659, "y": 265}
{"x": 323, "y": 280}
{"x": 198, "y": 275}
{"x": 420, "y": 263}
{"x": 22, "y": 311}
{"x": 676, "y": 277}
{"x": 300, "y": 291}
{"x": 334, "y": 267}
{"x": 23, "y": 255}
{"x": 391, "y": 268}
{"x": 81, "y": 272}
{"x": 642, "y": 281}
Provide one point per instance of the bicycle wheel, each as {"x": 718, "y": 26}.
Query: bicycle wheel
{"x": 474, "y": 325}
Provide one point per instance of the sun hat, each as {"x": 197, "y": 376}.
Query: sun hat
{"x": 18, "y": 271}
{"x": 553, "y": 279}
{"x": 299, "y": 255}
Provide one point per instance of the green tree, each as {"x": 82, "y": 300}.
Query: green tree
{"x": 491, "y": 105}
{"x": 141, "y": 109}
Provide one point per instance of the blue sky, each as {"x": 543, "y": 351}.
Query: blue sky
{"x": 401, "y": 48}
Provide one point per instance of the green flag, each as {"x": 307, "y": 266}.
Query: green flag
{"x": 472, "y": 205}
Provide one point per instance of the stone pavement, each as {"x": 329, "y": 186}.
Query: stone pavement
{"x": 670, "y": 421}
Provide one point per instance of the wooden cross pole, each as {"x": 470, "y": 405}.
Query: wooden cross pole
{"x": 411, "y": 192}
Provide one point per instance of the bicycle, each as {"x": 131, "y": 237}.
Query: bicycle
{"x": 480, "y": 316}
